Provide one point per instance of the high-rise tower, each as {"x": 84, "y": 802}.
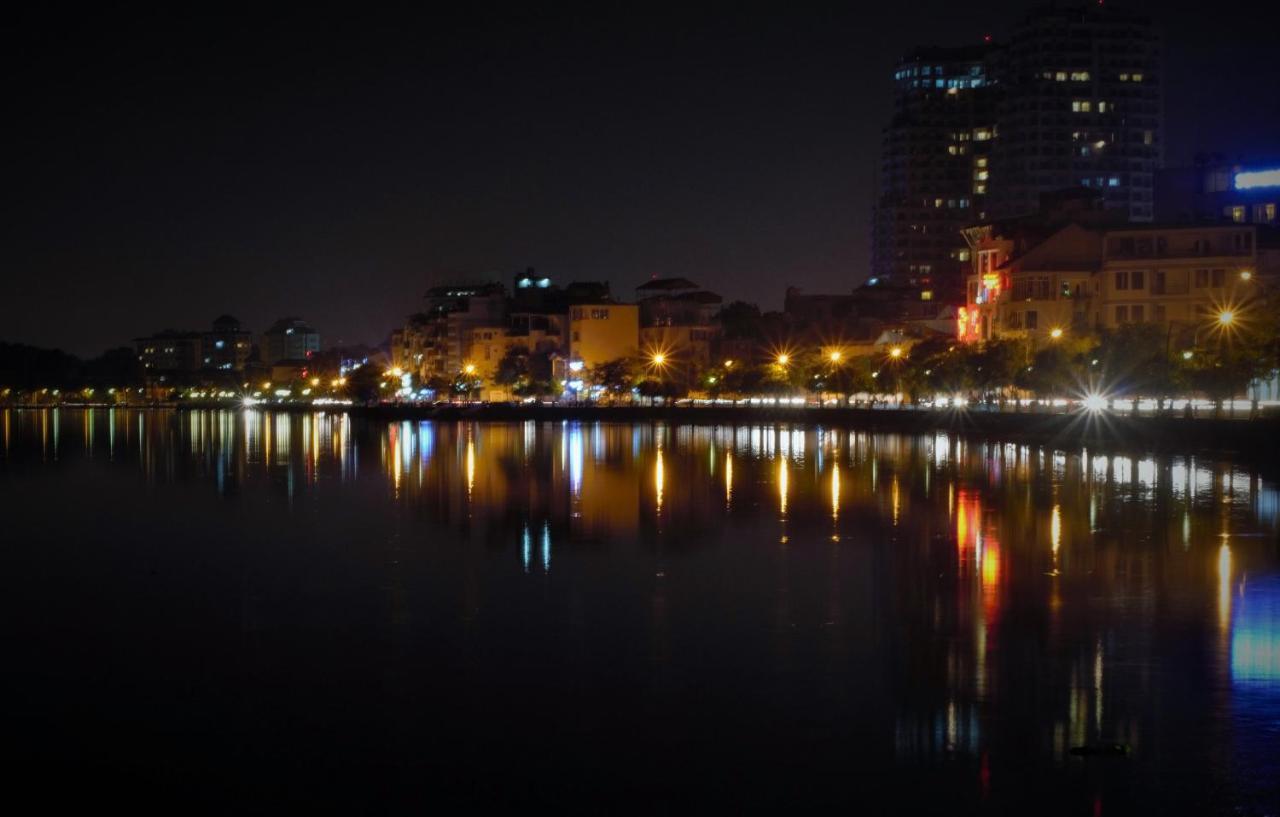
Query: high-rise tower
{"x": 933, "y": 168}
{"x": 1081, "y": 106}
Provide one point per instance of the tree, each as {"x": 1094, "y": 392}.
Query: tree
{"x": 997, "y": 363}
{"x": 364, "y": 384}
{"x": 616, "y": 377}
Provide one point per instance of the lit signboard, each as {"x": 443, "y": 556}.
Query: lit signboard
{"x": 1250, "y": 179}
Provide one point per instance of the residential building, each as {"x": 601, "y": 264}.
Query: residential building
{"x": 603, "y": 331}
{"x": 1072, "y": 98}
{"x": 227, "y": 347}
{"x": 291, "y": 339}
{"x": 1041, "y": 281}
{"x": 934, "y": 169}
{"x": 678, "y": 322}
{"x": 170, "y": 352}
{"x": 1081, "y": 105}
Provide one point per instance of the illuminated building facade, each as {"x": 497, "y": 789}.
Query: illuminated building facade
{"x": 604, "y": 331}
{"x": 678, "y": 319}
{"x": 1042, "y": 284}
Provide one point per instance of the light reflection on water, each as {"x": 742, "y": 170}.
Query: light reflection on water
{"x": 952, "y": 607}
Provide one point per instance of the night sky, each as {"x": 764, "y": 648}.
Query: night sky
{"x": 162, "y": 171}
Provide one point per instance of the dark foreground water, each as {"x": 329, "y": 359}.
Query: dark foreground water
{"x": 241, "y": 611}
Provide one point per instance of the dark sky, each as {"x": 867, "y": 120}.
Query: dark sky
{"x": 160, "y": 171}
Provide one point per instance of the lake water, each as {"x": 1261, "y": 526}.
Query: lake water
{"x": 247, "y": 611}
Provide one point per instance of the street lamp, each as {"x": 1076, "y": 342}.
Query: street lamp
{"x": 1055, "y": 332}
{"x": 835, "y": 356}
{"x": 659, "y": 359}
{"x": 895, "y": 352}
{"x": 1226, "y": 317}
{"x": 470, "y": 368}
{"x": 728, "y": 364}
{"x": 783, "y": 359}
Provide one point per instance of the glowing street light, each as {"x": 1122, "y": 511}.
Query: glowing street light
{"x": 895, "y": 352}
{"x": 783, "y": 359}
{"x": 1245, "y": 275}
{"x": 1055, "y": 332}
{"x": 1226, "y": 317}
{"x": 728, "y": 364}
{"x": 659, "y": 359}
{"x": 835, "y": 356}
{"x": 470, "y": 368}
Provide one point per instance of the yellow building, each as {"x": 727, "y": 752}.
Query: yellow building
{"x": 485, "y": 348}
{"x": 602, "y": 332}
{"x": 1044, "y": 283}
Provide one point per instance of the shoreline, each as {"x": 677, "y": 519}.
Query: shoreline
{"x": 1257, "y": 439}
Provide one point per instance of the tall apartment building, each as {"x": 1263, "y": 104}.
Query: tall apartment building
{"x": 1072, "y": 99}
{"x": 1081, "y": 106}
{"x": 934, "y": 167}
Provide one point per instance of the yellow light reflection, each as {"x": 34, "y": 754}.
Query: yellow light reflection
{"x": 835, "y": 492}
{"x": 1224, "y": 586}
{"x": 471, "y": 466}
{"x": 1055, "y": 531}
{"x": 893, "y": 493}
{"x": 782, "y": 486}
{"x": 728, "y": 479}
{"x": 659, "y": 479}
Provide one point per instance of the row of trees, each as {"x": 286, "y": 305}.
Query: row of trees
{"x": 1140, "y": 360}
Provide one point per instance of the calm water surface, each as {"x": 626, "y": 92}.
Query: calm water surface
{"x": 247, "y": 611}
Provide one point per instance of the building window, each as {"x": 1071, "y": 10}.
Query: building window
{"x": 1137, "y": 279}
{"x": 1235, "y": 213}
{"x": 1136, "y": 313}
{"x": 1218, "y": 278}
{"x": 1202, "y": 278}
{"x": 1264, "y": 213}
{"x": 1122, "y": 314}
{"x": 1122, "y": 280}
{"x": 1161, "y": 316}
{"x": 1081, "y": 105}
{"x": 1033, "y": 319}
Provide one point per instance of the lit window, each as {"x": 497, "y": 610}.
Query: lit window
{"x": 1079, "y": 76}
{"x": 1124, "y": 77}
{"x": 1137, "y": 77}
{"x": 1235, "y": 213}
{"x": 1081, "y": 105}
{"x": 981, "y": 135}
{"x": 981, "y": 175}
{"x": 926, "y": 294}
{"x": 1114, "y": 181}
{"x": 980, "y": 161}
{"x": 979, "y": 189}
{"x": 1102, "y": 107}
{"x": 1061, "y": 76}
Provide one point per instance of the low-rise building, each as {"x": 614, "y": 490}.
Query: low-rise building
{"x": 1042, "y": 284}
{"x": 289, "y": 339}
{"x": 602, "y": 332}
{"x": 227, "y": 347}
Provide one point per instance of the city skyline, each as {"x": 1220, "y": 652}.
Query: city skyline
{"x": 186, "y": 170}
